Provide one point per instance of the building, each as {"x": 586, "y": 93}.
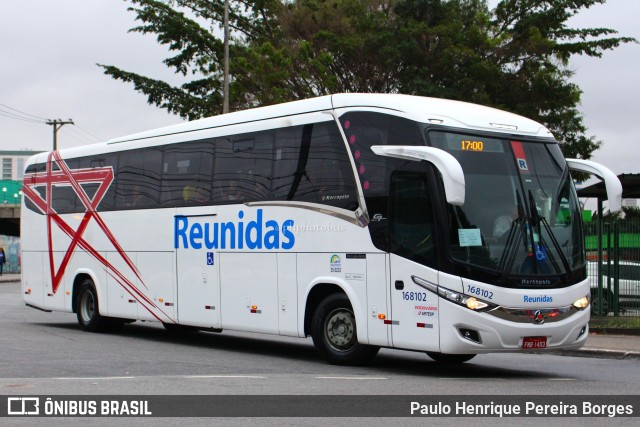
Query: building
{"x": 13, "y": 164}
{"x": 11, "y": 175}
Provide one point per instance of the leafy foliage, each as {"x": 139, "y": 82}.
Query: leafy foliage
{"x": 514, "y": 57}
{"x": 631, "y": 212}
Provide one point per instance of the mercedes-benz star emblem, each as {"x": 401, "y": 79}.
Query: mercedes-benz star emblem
{"x": 538, "y": 317}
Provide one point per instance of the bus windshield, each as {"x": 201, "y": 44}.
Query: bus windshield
{"x": 521, "y": 216}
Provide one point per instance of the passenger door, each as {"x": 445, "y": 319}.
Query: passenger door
{"x": 198, "y": 284}
{"x": 412, "y": 241}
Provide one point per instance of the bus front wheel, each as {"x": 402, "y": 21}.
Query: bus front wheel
{"x": 333, "y": 329}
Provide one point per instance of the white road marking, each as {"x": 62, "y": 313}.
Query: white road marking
{"x": 351, "y": 378}
{"x": 94, "y": 378}
{"x": 224, "y": 376}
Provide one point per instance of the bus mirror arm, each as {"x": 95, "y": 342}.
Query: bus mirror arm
{"x": 447, "y": 165}
{"x": 611, "y": 181}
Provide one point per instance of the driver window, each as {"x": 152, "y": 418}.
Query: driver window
{"x": 412, "y": 228}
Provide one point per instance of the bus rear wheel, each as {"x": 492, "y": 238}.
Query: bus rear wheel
{"x": 88, "y": 311}
{"x": 333, "y": 329}
{"x": 450, "y": 358}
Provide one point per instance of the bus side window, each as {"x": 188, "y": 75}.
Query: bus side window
{"x": 102, "y": 161}
{"x": 63, "y": 197}
{"x": 40, "y": 189}
{"x": 312, "y": 165}
{"x": 243, "y": 168}
{"x": 187, "y": 171}
{"x": 138, "y": 179}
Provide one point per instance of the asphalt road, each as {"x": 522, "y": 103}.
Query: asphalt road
{"x": 47, "y": 354}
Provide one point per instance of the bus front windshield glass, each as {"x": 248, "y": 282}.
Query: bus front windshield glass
{"x": 521, "y": 216}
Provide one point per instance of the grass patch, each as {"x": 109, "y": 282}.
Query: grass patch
{"x": 615, "y": 322}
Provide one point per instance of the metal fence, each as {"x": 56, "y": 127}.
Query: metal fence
{"x": 614, "y": 268}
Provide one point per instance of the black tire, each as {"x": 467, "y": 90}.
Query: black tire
{"x": 88, "y": 311}
{"x": 450, "y": 358}
{"x": 333, "y": 329}
{"x": 596, "y": 303}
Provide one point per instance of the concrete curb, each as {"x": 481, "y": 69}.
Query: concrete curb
{"x": 598, "y": 353}
{"x": 614, "y": 331}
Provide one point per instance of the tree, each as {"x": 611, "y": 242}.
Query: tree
{"x": 514, "y": 57}
{"x": 631, "y": 212}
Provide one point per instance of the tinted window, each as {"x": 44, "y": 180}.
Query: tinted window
{"x": 312, "y": 165}
{"x": 38, "y": 167}
{"x": 186, "y": 174}
{"x": 138, "y": 179}
{"x": 243, "y": 168}
{"x": 364, "y": 130}
{"x": 412, "y": 229}
{"x": 35, "y": 168}
{"x": 64, "y": 198}
{"x": 302, "y": 163}
{"x": 101, "y": 161}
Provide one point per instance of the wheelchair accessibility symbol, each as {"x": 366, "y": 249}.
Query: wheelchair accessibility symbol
{"x": 209, "y": 258}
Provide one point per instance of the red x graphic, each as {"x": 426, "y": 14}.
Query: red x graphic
{"x": 63, "y": 176}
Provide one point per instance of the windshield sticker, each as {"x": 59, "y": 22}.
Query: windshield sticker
{"x": 521, "y": 158}
{"x": 469, "y": 237}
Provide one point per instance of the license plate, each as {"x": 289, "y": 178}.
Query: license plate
{"x": 530, "y": 343}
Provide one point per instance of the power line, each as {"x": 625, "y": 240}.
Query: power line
{"x": 13, "y": 116}
{"x": 22, "y": 112}
{"x": 97, "y": 138}
{"x": 16, "y": 114}
{"x": 77, "y": 135}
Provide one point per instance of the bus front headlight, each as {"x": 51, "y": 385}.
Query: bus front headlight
{"x": 582, "y": 303}
{"x": 472, "y": 303}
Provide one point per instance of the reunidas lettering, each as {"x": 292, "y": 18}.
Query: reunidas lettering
{"x": 537, "y": 298}
{"x": 255, "y": 234}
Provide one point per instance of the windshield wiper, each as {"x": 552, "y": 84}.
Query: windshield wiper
{"x": 513, "y": 239}
{"x": 538, "y": 244}
{"x": 510, "y": 252}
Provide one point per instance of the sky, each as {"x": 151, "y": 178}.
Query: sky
{"x": 49, "y": 50}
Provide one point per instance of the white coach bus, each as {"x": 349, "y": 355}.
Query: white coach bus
{"x": 362, "y": 220}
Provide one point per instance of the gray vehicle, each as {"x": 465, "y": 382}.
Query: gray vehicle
{"x": 629, "y": 286}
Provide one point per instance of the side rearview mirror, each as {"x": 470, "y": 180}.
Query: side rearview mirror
{"x": 448, "y": 166}
{"x": 611, "y": 181}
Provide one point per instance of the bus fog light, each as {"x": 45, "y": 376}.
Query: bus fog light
{"x": 582, "y": 303}
{"x": 582, "y": 331}
{"x": 470, "y": 334}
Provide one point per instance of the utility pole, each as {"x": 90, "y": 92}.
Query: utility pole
{"x": 57, "y": 124}
{"x": 225, "y": 88}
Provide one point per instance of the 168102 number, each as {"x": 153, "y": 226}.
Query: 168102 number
{"x": 474, "y": 290}
{"x": 414, "y": 296}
